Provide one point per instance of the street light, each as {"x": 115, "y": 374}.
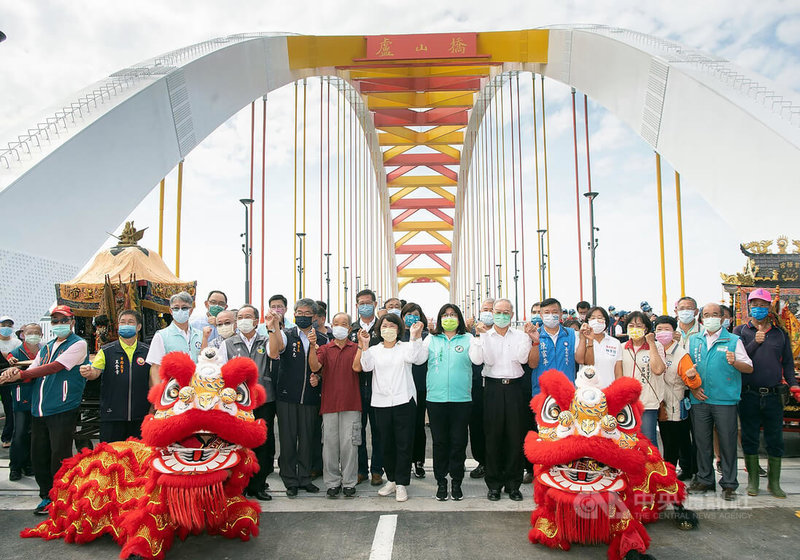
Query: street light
{"x": 358, "y": 284}
{"x": 246, "y": 248}
{"x": 543, "y": 264}
{"x": 300, "y": 270}
{"x": 515, "y": 252}
{"x": 345, "y": 288}
{"x": 592, "y": 242}
{"x": 487, "y": 285}
{"x": 478, "y": 291}
{"x": 328, "y": 282}
{"x": 499, "y": 282}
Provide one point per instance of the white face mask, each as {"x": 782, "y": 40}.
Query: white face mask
{"x": 340, "y": 333}
{"x": 225, "y": 331}
{"x": 245, "y": 325}
{"x": 712, "y": 324}
{"x": 686, "y": 316}
{"x": 550, "y": 320}
{"x": 597, "y": 325}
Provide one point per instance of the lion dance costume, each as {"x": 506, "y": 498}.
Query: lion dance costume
{"x": 598, "y": 480}
{"x": 185, "y": 476}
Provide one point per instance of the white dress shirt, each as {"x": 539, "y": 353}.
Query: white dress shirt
{"x": 223, "y": 348}
{"x": 502, "y": 356}
{"x": 392, "y": 382}
{"x": 740, "y": 352}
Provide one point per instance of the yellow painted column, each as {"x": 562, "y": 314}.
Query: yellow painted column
{"x": 178, "y": 222}
{"x": 161, "y": 218}
{"x": 680, "y": 232}
{"x": 661, "y": 235}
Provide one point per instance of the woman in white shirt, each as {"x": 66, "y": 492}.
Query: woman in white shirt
{"x": 393, "y": 393}
{"x": 643, "y": 359}
{"x": 607, "y": 350}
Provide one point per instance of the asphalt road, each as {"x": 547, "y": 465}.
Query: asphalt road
{"x": 762, "y": 533}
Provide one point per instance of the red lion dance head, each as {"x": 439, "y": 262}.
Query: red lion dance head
{"x": 598, "y": 479}
{"x": 185, "y": 476}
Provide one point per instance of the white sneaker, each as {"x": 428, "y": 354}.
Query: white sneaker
{"x": 387, "y": 489}
{"x": 402, "y": 494}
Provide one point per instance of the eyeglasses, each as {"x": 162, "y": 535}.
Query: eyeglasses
{"x": 180, "y": 308}
{"x": 64, "y": 321}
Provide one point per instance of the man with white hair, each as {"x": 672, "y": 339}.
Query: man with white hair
{"x": 178, "y": 336}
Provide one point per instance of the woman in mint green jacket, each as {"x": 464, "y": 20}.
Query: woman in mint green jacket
{"x": 449, "y": 398}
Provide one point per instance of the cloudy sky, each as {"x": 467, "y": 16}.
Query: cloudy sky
{"x": 55, "y": 48}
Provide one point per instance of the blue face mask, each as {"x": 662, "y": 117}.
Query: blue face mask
{"x": 759, "y": 313}
{"x": 6, "y": 331}
{"x": 394, "y": 312}
{"x": 127, "y": 331}
{"x": 536, "y": 319}
{"x": 366, "y": 310}
{"x": 410, "y": 319}
{"x": 180, "y": 315}
{"x": 726, "y": 324}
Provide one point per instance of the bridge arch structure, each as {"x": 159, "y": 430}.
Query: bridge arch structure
{"x": 726, "y": 130}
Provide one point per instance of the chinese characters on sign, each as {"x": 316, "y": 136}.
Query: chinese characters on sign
{"x": 437, "y": 45}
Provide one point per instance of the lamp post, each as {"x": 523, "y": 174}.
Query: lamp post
{"x": 345, "y": 288}
{"x": 592, "y": 242}
{"x": 328, "y": 283}
{"x": 499, "y": 281}
{"x": 478, "y": 292}
{"x": 300, "y": 270}
{"x": 515, "y": 252}
{"x": 246, "y": 248}
{"x": 358, "y": 284}
{"x": 486, "y": 276}
{"x": 731, "y": 289}
{"x": 542, "y": 256}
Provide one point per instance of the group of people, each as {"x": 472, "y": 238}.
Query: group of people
{"x": 393, "y": 368}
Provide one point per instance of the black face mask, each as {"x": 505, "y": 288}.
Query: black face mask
{"x": 303, "y": 322}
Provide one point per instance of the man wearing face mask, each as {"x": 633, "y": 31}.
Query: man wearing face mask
{"x": 366, "y": 301}
{"x": 297, "y": 401}
{"x": 226, "y": 328}
{"x": 761, "y": 407}
{"x": 477, "y": 437}
{"x": 216, "y": 302}
{"x": 392, "y": 305}
{"x": 502, "y": 350}
{"x": 556, "y": 347}
{"x": 20, "y": 452}
{"x": 179, "y": 336}
{"x": 582, "y": 308}
{"x": 8, "y": 342}
{"x": 250, "y": 344}
{"x": 536, "y": 314}
{"x": 719, "y": 358}
{"x": 57, "y": 392}
{"x": 686, "y": 312}
{"x": 124, "y": 380}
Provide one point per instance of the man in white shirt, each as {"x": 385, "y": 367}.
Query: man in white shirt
{"x": 502, "y": 351}
{"x": 178, "y": 336}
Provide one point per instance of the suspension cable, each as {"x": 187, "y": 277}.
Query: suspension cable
{"x": 546, "y": 193}
{"x": 249, "y": 296}
{"x": 521, "y": 202}
{"x": 294, "y": 234}
{"x": 536, "y": 164}
{"x": 263, "y": 192}
{"x": 577, "y": 195}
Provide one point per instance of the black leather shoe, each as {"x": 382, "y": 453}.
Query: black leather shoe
{"x": 259, "y": 495}
{"x": 349, "y": 492}
{"x": 493, "y": 495}
{"x": 728, "y": 494}
{"x": 515, "y": 495}
{"x": 27, "y": 471}
{"x": 311, "y": 488}
{"x": 684, "y": 476}
{"x": 419, "y": 469}
{"x": 455, "y": 490}
{"x": 698, "y": 487}
{"x": 334, "y": 492}
{"x": 441, "y": 491}
{"x": 528, "y": 478}
{"x": 291, "y": 492}
{"x": 14, "y": 476}
{"x": 478, "y": 472}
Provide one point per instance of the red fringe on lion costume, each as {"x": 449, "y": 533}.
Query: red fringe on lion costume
{"x": 184, "y": 477}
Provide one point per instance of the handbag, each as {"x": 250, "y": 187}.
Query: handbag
{"x": 663, "y": 416}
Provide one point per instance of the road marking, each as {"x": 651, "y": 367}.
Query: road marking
{"x": 383, "y": 543}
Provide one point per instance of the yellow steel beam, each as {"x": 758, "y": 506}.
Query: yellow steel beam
{"x": 422, "y": 272}
{"x": 433, "y": 225}
{"x": 395, "y": 151}
{"x": 448, "y": 150}
{"x": 404, "y": 282}
{"x": 420, "y": 72}
{"x": 422, "y": 181}
{"x": 405, "y": 239}
{"x": 443, "y": 282}
{"x": 444, "y": 193}
{"x": 388, "y": 139}
{"x": 424, "y": 99}
{"x": 440, "y": 237}
{"x": 401, "y": 193}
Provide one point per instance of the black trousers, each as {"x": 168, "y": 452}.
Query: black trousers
{"x": 477, "y": 439}
{"x": 757, "y": 411}
{"x": 51, "y": 443}
{"x": 677, "y": 444}
{"x": 529, "y": 418}
{"x": 20, "y": 452}
{"x": 449, "y": 422}
{"x": 6, "y": 396}
{"x": 396, "y": 424}
{"x": 120, "y": 430}
{"x": 504, "y": 424}
{"x": 265, "y": 454}
{"x": 296, "y": 423}
{"x": 420, "y": 438}
{"x": 316, "y": 443}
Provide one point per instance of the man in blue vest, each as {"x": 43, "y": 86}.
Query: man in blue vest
{"x": 124, "y": 380}
{"x": 719, "y": 358}
{"x": 57, "y": 392}
{"x": 179, "y": 336}
{"x": 557, "y": 347}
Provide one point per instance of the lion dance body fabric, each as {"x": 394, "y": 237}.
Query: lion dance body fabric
{"x": 598, "y": 480}
{"x": 184, "y": 477}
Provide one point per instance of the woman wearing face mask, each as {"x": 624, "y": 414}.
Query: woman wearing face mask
{"x": 412, "y": 313}
{"x": 449, "y": 398}
{"x": 673, "y": 423}
{"x": 393, "y": 395}
{"x": 607, "y": 350}
{"x": 643, "y": 359}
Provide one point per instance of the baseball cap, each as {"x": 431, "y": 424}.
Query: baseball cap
{"x": 65, "y": 310}
{"x": 760, "y": 293}
{"x": 5, "y": 318}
